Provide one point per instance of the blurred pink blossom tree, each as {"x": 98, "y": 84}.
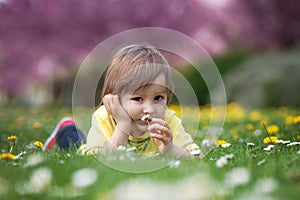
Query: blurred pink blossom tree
{"x": 40, "y": 40}
{"x": 43, "y": 40}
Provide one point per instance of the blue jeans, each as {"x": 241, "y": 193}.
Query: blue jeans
{"x": 70, "y": 137}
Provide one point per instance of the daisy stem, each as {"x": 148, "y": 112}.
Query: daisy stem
{"x": 11, "y": 148}
{"x": 268, "y": 133}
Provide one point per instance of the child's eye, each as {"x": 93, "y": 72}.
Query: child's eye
{"x": 137, "y": 99}
{"x": 158, "y": 98}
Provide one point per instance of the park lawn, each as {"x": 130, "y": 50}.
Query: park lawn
{"x": 242, "y": 165}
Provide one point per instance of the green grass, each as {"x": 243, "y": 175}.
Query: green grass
{"x": 252, "y": 172}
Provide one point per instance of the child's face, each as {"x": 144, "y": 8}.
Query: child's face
{"x": 150, "y": 99}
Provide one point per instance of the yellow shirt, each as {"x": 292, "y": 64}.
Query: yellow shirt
{"x": 103, "y": 126}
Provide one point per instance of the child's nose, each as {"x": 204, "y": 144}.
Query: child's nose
{"x": 148, "y": 108}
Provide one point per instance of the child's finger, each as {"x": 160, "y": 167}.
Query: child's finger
{"x": 118, "y": 110}
{"x": 160, "y": 121}
{"x": 160, "y": 137}
{"x": 115, "y": 101}
{"x": 157, "y": 128}
{"x": 107, "y": 102}
{"x": 161, "y": 133}
{"x": 159, "y": 124}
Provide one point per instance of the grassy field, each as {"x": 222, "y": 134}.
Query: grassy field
{"x": 256, "y": 157}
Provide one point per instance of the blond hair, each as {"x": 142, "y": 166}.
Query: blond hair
{"x": 135, "y": 66}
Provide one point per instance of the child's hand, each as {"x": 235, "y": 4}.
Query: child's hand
{"x": 162, "y": 134}
{"x": 123, "y": 120}
{"x": 113, "y": 107}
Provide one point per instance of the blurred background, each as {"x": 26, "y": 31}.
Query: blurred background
{"x": 255, "y": 44}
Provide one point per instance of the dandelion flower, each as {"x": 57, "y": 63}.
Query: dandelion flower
{"x": 289, "y": 120}
{"x": 264, "y": 121}
{"x": 272, "y": 139}
{"x": 38, "y": 144}
{"x": 37, "y": 125}
{"x": 20, "y": 121}
{"x": 12, "y": 138}
{"x": 249, "y": 127}
{"x": 12, "y": 141}
{"x": 255, "y": 116}
{"x": 273, "y": 129}
{"x": 220, "y": 142}
{"x": 8, "y": 156}
{"x": 296, "y": 119}
{"x": 223, "y": 143}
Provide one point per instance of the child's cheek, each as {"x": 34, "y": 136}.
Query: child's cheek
{"x": 133, "y": 111}
{"x": 160, "y": 111}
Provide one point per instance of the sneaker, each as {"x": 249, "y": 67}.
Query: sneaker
{"x": 51, "y": 141}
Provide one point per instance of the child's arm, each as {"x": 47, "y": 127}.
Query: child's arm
{"x": 162, "y": 134}
{"x": 123, "y": 121}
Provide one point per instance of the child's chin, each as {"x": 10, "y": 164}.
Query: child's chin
{"x": 142, "y": 127}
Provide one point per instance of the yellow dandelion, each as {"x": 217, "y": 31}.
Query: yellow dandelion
{"x": 249, "y": 127}
{"x": 264, "y": 121}
{"x": 255, "y": 116}
{"x": 37, "y": 125}
{"x": 220, "y": 142}
{"x": 271, "y": 139}
{"x": 296, "y": 119}
{"x": 273, "y": 129}
{"x": 289, "y": 120}
{"x": 8, "y": 156}
{"x": 234, "y": 133}
{"x": 12, "y": 138}
{"x": 20, "y": 121}
{"x": 235, "y": 112}
{"x": 38, "y": 144}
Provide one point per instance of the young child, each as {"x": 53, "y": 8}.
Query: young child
{"x": 137, "y": 89}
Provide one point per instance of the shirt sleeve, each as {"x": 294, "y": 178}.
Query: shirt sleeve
{"x": 100, "y": 131}
{"x": 180, "y": 137}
